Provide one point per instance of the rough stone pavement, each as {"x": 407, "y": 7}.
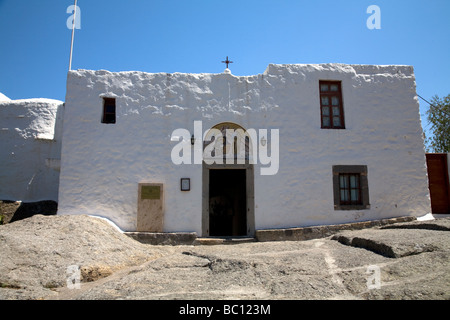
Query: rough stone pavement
{"x": 401, "y": 261}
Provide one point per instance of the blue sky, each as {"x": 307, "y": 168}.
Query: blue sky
{"x": 194, "y": 36}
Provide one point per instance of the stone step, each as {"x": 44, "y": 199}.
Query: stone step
{"x": 322, "y": 231}
{"x": 223, "y": 240}
{"x": 164, "y": 238}
{"x": 287, "y": 234}
{"x": 183, "y": 238}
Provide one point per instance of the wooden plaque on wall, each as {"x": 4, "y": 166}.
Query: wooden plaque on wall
{"x": 150, "y": 211}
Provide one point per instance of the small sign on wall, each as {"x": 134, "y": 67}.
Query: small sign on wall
{"x": 185, "y": 184}
{"x": 150, "y": 192}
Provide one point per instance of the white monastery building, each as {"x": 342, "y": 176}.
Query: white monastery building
{"x": 30, "y": 148}
{"x": 223, "y": 155}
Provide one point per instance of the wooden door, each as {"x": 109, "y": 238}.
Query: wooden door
{"x": 438, "y": 182}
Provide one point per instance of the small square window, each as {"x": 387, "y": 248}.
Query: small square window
{"x": 331, "y": 97}
{"x": 109, "y": 110}
{"x": 350, "y": 187}
{"x": 185, "y": 184}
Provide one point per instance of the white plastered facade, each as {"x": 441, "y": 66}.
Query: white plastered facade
{"x": 102, "y": 164}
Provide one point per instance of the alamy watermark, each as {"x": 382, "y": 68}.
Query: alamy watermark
{"x": 374, "y": 279}
{"x": 74, "y": 20}
{"x": 74, "y": 277}
{"x": 227, "y": 146}
{"x": 374, "y": 20}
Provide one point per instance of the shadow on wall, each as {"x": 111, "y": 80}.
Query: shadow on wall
{"x": 14, "y": 210}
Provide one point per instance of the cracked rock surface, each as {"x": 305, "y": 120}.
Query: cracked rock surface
{"x": 413, "y": 263}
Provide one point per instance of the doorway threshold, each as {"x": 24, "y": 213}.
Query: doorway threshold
{"x": 223, "y": 240}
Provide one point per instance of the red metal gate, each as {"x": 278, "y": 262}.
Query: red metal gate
{"x": 438, "y": 182}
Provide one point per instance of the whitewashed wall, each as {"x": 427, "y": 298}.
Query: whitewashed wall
{"x": 102, "y": 164}
{"x": 30, "y": 149}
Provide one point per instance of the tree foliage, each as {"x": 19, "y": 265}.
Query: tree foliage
{"x": 438, "y": 116}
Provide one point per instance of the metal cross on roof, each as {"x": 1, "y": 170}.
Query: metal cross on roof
{"x": 227, "y": 62}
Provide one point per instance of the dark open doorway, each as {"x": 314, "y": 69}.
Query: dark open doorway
{"x": 227, "y": 202}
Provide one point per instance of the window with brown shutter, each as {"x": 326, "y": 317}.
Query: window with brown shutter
{"x": 331, "y": 106}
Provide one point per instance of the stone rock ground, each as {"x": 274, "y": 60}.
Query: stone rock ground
{"x": 16, "y": 210}
{"x": 36, "y": 253}
{"x": 412, "y": 260}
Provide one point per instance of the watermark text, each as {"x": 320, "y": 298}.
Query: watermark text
{"x": 374, "y": 20}
{"x": 227, "y": 146}
{"x": 74, "y": 20}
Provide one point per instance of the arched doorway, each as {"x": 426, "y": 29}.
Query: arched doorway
{"x": 228, "y": 185}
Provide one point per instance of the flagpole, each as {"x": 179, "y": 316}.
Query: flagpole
{"x": 73, "y": 34}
